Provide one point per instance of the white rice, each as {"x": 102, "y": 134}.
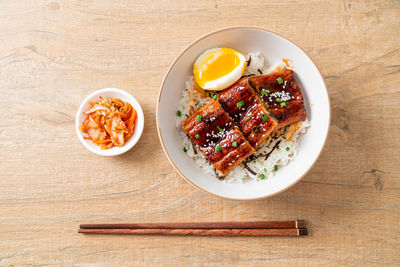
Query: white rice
{"x": 282, "y": 154}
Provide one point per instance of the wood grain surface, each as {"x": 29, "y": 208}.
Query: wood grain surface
{"x": 53, "y": 53}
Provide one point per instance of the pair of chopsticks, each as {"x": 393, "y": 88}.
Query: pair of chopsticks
{"x": 268, "y": 228}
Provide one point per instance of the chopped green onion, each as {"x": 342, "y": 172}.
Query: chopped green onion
{"x": 178, "y": 113}
{"x": 280, "y": 81}
{"x": 234, "y": 144}
{"x": 215, "y": 97}
{"x": 219, "y": 129}
{"x": 218, "y": 148}
{"x": 283, "y": 104}
{"x": 199, "y": 117}
{"x": 278, "y": 100}
{"x": 264, "y": 117}
{"x": 287, "y": 148}
{"x": 240, "y": 104}
{"x": 265, "y": 170}
{"x": 248, "y": 118}
{"x": 197, "y": 136}
{"x": 262, "y": 176}
{"x": 254, "y": 129}
{"x": 184, "y": 149}
{"x": 201, "y": 105}
{"x": 275, "y": 167}
{"x": 264, "y": 92}
{"x": 236, "y": 122}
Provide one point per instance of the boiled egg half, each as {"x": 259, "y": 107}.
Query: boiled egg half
{"x": 218, "y": 68}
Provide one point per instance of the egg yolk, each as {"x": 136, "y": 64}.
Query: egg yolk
{"x": 216, "y": 64}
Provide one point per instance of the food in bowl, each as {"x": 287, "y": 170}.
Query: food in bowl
{"x": 217, "y": 137}
{"x": 109, "y": 122}
{"x": 248, "y": 112}
{"x": 218, "y": 68}
{"x": 248, "y": 129}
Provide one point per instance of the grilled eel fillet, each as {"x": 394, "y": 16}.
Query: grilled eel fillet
{"x": 283, "y": 100}
{"x": 248, "y": 111}
{"x": 217, "y": 137}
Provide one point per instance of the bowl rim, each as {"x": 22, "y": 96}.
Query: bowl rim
{"x": 159, "y": 99}
{"x": 139, "y": 123}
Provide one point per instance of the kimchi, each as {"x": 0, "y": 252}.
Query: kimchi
{"x": 109, "y": 122}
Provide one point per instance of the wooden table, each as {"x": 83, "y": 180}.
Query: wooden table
{"x": 54, "y": 53}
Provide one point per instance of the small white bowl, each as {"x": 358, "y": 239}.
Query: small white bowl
{"x": 274, "y": 48}
{"x": 115, "y": 93}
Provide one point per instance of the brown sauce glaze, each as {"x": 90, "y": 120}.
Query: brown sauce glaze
{"x": 217, "y": 137}
{"x": 248, "y": 111}
{"x": 282, "y": 96}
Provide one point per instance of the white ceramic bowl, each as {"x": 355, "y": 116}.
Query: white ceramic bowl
{"x": 274, "y": 47}
{"x": 115, "y": 93}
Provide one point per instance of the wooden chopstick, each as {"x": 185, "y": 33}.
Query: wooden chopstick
{"x": 202, "y": 225}
{"x": 201, "y": 232}
{"x": 271, "y": 228}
